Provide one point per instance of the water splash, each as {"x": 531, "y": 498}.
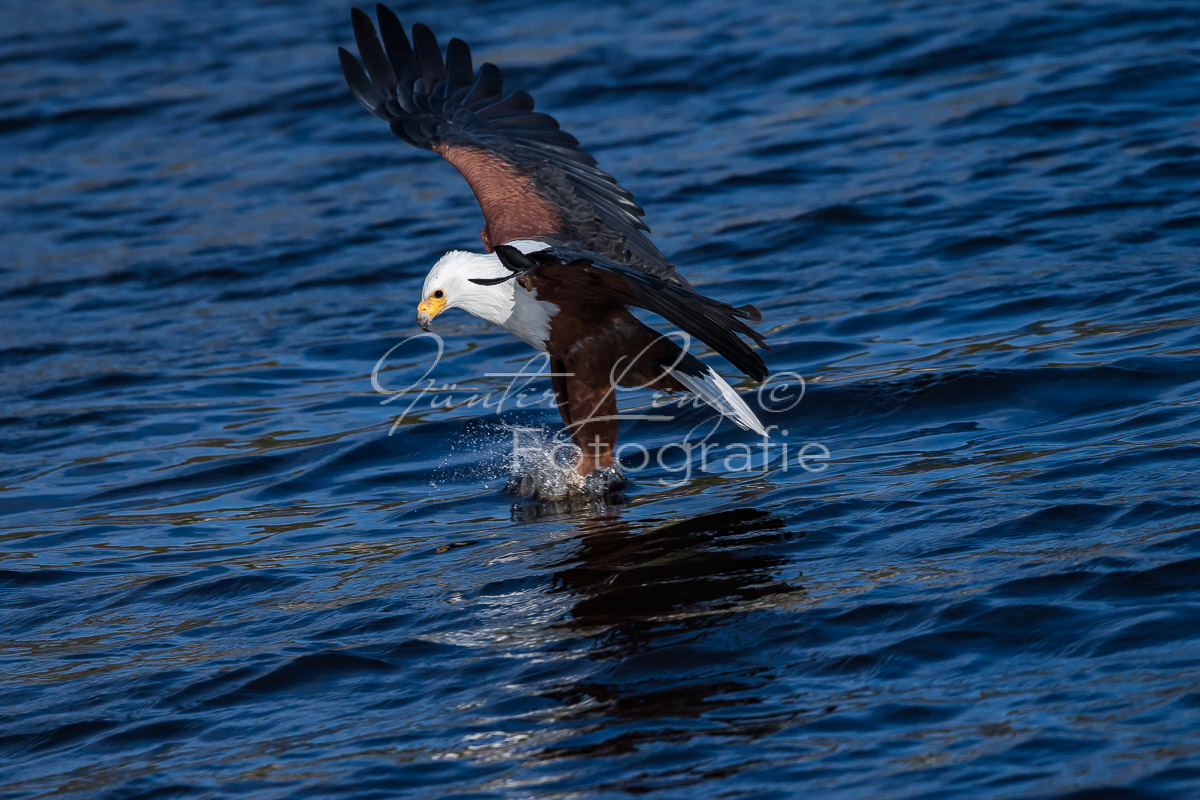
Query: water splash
{"x": 541, "y": 466}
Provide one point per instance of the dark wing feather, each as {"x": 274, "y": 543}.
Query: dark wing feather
{"x": 429, "y": 56}
{"x": 532, "y": 179}
{"x": 594, "y": 279}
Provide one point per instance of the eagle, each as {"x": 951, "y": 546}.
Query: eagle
{"x": 567, "y": 255}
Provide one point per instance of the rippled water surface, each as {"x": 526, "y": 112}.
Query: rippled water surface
{"x": 973, "y": 230}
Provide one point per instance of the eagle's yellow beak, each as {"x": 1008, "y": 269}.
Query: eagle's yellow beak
{"x": 429, "y": 308}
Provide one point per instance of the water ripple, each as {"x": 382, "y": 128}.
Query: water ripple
{"x": 972, "y": 230}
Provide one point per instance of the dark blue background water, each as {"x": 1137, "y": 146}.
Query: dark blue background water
{"x": 973, "y": 229}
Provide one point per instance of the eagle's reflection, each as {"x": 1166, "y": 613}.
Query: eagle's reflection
{"x": 667, "y": 614}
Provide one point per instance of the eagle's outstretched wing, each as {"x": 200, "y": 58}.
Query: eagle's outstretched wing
{"x": 591, "y": 279}
{"x": 531, "y": 178}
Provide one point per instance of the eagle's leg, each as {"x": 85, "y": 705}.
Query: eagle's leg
{"x": 589, "y": 411}
{"x": 558, "y": 382}
{"x": 596, "y": 436}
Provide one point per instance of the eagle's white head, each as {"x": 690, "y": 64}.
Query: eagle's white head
{"x": 507, "y": 304}
{"x": 448, "y": 285}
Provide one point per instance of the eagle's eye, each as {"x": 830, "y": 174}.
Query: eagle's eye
{"x": 439, "y": 294}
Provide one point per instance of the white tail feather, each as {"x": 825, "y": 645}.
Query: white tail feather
{"x": 712, "y": 389}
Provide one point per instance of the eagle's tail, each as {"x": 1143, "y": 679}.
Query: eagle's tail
{"x": 703, "y": 381}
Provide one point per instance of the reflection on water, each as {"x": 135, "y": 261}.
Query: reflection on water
{"x": 652, "y": 606}
{"x": 674, "y": 571}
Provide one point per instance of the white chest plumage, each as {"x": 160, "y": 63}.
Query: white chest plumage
{"x": 530, "y": 317}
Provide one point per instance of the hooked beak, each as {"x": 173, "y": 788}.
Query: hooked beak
{"x": 429, "y": 308}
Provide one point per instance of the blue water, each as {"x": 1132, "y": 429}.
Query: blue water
{"x": 972, "y": 229}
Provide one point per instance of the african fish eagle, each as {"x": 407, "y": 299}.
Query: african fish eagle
{"x": 567, "y": 253}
